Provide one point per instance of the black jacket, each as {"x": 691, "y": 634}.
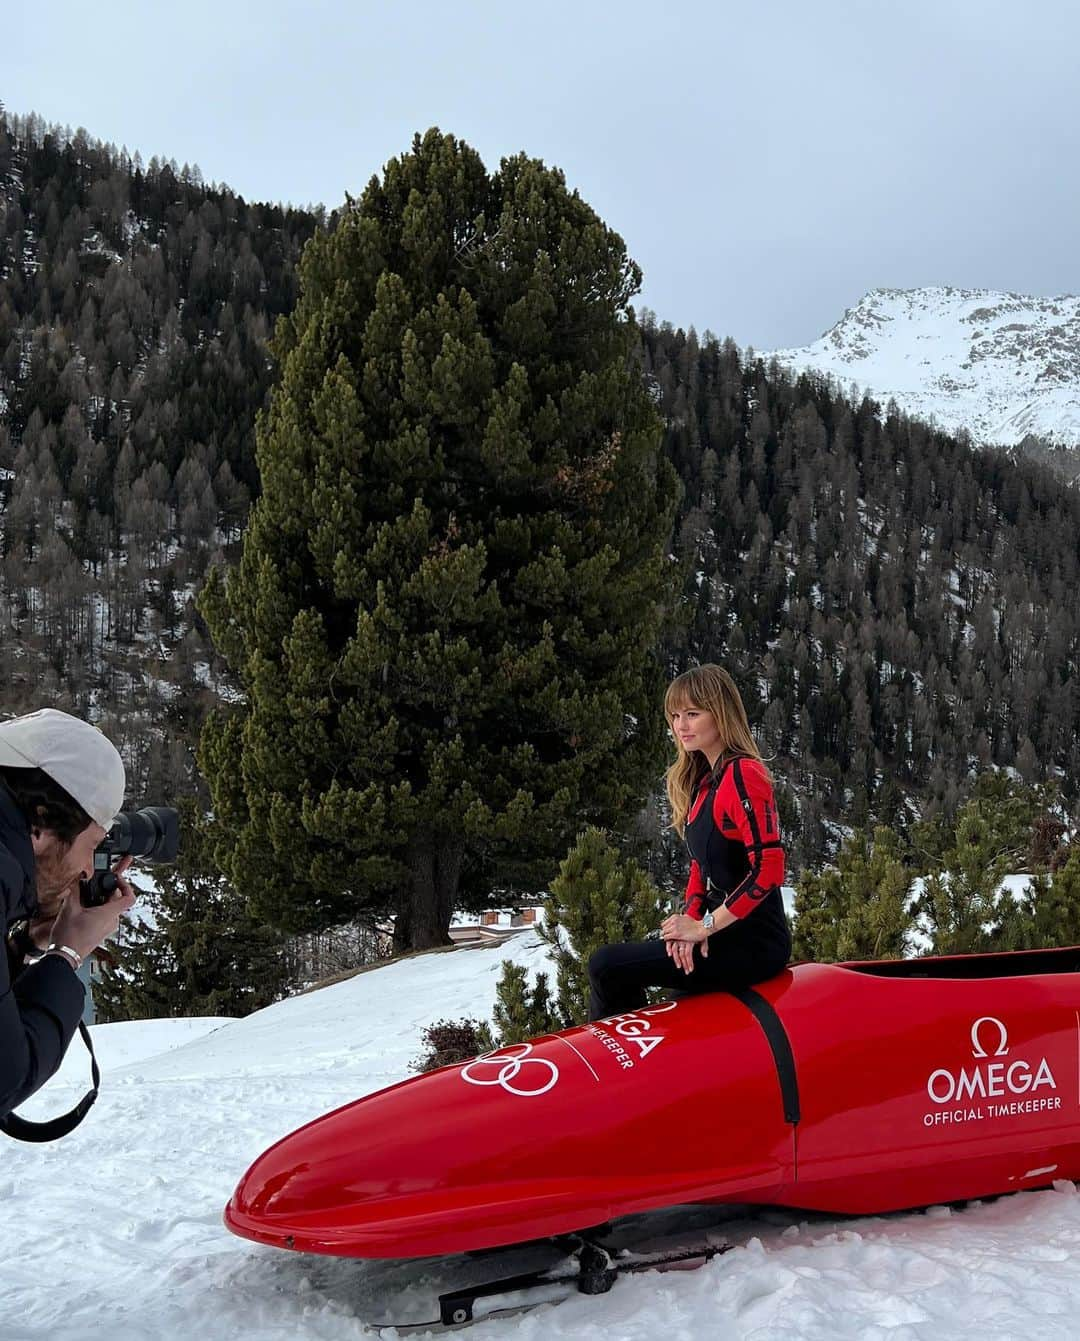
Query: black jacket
{"x": 41, "y": 1005}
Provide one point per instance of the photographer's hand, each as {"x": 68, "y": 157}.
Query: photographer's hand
{"x": 83, "y": 929}
{"x": 41, "y": 927}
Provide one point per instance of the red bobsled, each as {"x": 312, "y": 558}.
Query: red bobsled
{"x": 859, "y": 1087}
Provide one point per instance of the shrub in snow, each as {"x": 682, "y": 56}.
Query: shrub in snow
{"x": 448, "y": 1042}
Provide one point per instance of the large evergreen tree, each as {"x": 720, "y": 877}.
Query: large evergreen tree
{"x": 446, "y": 613}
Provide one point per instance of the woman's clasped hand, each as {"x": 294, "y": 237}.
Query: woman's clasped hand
{"x": 680, "y": 934}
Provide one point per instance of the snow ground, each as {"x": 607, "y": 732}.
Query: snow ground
{"x": 120, "y": 1235}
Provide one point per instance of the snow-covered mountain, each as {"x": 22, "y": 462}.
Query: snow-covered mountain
{"x": 1001, "y": 365}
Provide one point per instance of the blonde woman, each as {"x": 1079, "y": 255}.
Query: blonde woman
{"x": 733, "y": 931}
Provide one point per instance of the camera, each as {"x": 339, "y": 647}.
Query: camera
{"x": 152, "y": 833}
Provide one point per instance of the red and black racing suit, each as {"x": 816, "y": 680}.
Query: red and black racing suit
{"x": 737, "y": 862}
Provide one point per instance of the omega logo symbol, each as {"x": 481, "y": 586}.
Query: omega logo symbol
{"x": 977, "y": 1050}
{"x": 503, "y": 1068}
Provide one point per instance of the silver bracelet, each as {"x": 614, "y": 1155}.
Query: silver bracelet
{"x": 73, "y": 957}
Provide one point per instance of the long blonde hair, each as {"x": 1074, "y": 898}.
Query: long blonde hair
{"x": 709, "y": 687}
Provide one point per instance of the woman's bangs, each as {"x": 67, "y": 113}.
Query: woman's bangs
{"x": 677, "y": 699}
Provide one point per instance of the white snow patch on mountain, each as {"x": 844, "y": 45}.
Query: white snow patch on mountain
{"x": 1000, "y": 365}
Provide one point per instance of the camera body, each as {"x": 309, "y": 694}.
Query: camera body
{"x": 152, "y": 833}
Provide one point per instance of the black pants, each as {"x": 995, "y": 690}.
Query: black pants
{"x": 619, "y": 974}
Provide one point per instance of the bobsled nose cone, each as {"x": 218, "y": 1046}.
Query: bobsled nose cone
{"x": 274, "y": 1183}
{"x": 304, "y": 1190}
{"x": 359, "y": 1181}
{"x": 342, "y": 1159}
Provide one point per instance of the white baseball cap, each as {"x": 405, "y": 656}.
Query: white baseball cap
{"x": 73, "y": 753}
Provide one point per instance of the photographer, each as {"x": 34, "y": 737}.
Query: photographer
{"x": 61, "y": 783}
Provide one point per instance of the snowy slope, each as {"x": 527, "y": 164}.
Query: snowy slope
{"x": 1000, "y": 365}
{"x": 120, "y": 1235}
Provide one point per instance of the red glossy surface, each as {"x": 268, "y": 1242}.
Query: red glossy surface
{"x": 911, "y": 1090}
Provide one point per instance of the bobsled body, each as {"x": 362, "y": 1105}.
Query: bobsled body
{"x": 848, "y": 1088}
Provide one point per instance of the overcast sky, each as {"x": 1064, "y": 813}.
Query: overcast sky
{"x": 767, "y": 162}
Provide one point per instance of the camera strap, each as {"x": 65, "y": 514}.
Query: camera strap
{"x": 22, "y": 1129}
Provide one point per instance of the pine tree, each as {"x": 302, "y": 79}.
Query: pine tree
{"x": 856, "y": 909}
{"x": 598, "y": 897}
{"x": 993, "y": 836}
{"x": 198, "y": 952}
{"x": 522, "y": 1012}
{"x": 447, "y": 609}
{"x": 1047, "y": 914}
{"x": 960, "y": 897}
{"x": 1009, "y": 809}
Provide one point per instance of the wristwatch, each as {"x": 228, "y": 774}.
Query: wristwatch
{"x": 707, "y": 921}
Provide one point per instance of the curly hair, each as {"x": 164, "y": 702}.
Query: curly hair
{"x": 711, "y": 688}
{"x": 44, "y": 803}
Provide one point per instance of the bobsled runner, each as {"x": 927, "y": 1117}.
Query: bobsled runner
{"x": 846, "y": 1088}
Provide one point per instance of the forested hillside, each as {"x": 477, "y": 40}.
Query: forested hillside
{"x": 901, "y": 610}
{"x": 135, "y": 305}
{"x": 898, "y": 608}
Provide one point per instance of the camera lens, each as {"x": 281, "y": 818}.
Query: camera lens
{"x": 152, "y": 833}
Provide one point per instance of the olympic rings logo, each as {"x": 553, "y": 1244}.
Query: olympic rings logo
{"x": 508, "y": 1063}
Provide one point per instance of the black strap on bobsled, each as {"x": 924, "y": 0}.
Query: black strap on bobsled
{"x": 778, "y": 1041}
{"x": 24, "y": 1130}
